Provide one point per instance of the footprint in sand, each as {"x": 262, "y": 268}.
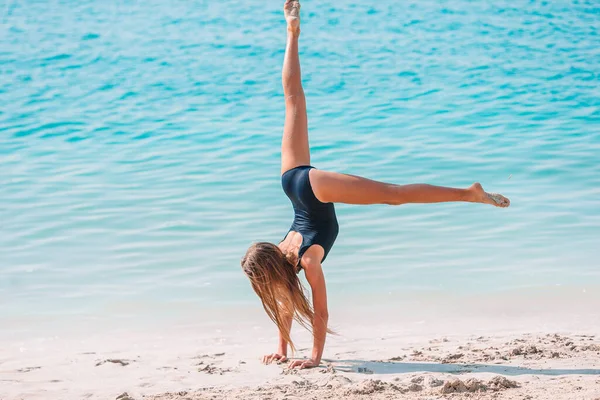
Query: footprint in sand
{"x": 28, "y": 369}
{"x": 121, "y": 362}
{"x": 211, "y": 369}
{"x": 208, "y": 356}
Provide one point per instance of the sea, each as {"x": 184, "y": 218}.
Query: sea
{"x": 140, "y": 151}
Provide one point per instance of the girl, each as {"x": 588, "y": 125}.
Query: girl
{"x": 272, "y": 269}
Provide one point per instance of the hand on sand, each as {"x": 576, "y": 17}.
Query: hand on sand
{"x": 269, "y": 358}
{"x": 302, "y": 364}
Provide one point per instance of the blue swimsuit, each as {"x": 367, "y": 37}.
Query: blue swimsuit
{"x": 313, "y": 219}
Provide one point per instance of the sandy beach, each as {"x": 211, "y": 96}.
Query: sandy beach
{"x": 528, "y": 366}
{"x": 434, "y": 351}
{"x": 141, "y": 153}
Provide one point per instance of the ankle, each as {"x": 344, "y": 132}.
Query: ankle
{"x": 469, "y": 195}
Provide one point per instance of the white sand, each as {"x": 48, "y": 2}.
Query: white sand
{"x": 459, "y": 348}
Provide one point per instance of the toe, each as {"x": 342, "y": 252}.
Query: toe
{"x": 499, "y": 200}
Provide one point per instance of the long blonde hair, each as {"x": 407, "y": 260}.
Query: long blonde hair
{"x": 274, "y": 279}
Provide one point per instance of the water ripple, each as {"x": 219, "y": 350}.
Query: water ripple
{"x": 139, "y": 145}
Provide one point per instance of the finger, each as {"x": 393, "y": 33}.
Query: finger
{"x": 271, "y": 358}
{"x": 282, "y": 359}
{"x": 305, "y": 364}
{"x": 267, "y": 359}
{"x": 276, "y": 357}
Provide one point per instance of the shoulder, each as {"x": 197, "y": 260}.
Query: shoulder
{"x": 311, "y": 259}
{"x": 310, "y": 263}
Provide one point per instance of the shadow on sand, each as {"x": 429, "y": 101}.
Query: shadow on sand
{"x": 375, "y": 367}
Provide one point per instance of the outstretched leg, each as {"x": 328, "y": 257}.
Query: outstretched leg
{"x": 331, "y": 187}
{"x": 294, "y": 145}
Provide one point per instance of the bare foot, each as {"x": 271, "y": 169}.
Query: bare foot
{"x": 481, "y": 196}
{"x": 291, "y": 10}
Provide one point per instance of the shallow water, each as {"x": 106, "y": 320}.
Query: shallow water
{"x": 139, "y": 147}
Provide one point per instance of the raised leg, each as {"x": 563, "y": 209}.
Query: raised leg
{"x": 331, "y": 187}
{"x": 295, "y": 150}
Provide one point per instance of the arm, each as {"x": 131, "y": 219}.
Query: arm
{"x": 282, "y": 348}
{"x": 283, "y": 345}
{"x": 316, "y": 279}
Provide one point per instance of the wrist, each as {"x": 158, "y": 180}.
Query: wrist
{"x": 316, "y": 358}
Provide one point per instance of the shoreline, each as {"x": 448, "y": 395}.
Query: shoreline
{"x": 527, "y": 308}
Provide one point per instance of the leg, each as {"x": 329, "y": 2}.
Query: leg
{"x": 294, "y": 145}
{"x": 331, "y": 187}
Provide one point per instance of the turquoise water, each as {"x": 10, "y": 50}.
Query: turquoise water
{"x": 139, "y": 146}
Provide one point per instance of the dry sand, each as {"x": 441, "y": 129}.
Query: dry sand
{"x": 526, "y": 367}
{"x": 548, "y": 366}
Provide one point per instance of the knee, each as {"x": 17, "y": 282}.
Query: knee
{"x": 293, "y": 97}
{"x": 393, "y": 196}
